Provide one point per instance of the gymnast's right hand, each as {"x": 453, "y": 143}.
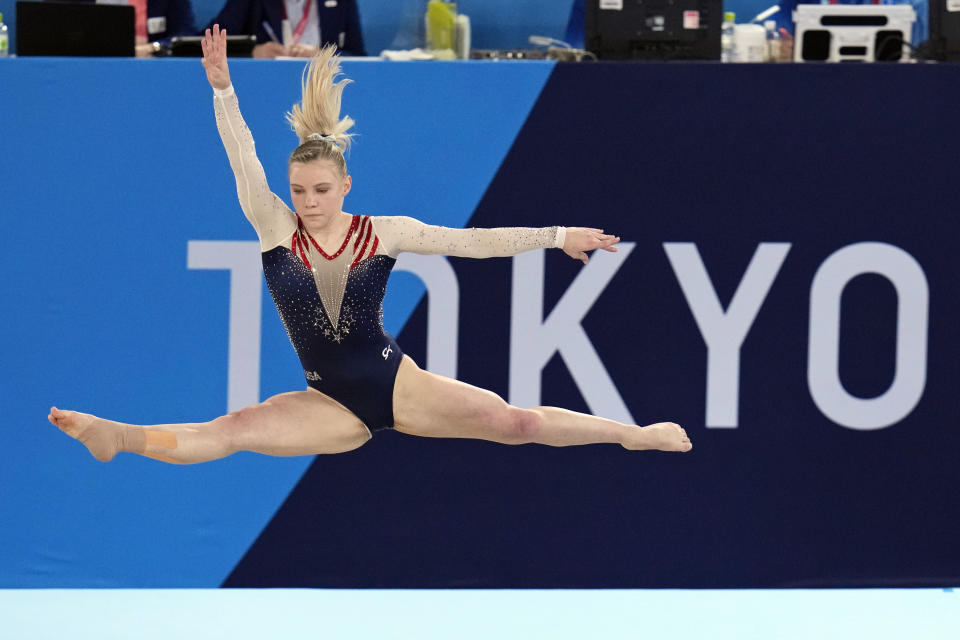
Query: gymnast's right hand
{"x": 215, "y": 57}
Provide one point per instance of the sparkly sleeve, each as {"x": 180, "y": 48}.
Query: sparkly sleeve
{"x": 272, "y": 219}
{"x": 400, "y": 233}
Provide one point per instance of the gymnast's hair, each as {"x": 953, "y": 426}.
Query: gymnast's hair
{"x": 316, "y": 120}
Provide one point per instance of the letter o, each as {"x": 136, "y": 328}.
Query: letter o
{"x": 823, "y": 364}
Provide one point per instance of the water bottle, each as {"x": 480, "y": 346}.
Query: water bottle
{"x": 4, "y": 39}
{"x": 726, "y": 36}
{"x": 774, "y": 41}
{"x": 440, "y": 19}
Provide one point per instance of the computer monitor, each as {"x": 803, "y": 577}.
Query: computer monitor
{"x": 74, "y": 29}
{"x": 653, "y": 29}
{"x": 944, "y": 43}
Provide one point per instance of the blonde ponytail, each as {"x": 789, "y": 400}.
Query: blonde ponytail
{"x": 316, "y": 119}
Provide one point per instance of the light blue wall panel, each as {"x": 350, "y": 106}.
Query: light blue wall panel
{"x": 108, "y": 170}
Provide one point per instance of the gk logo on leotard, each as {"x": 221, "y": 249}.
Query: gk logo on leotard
{"x": 386, "y": 352}
{"x": 312, "y": 376}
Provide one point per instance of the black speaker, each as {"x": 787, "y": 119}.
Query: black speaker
{"x": 815, "y": 45}
{"x": 888, "y": 46}
{"x": 653, "y": 29}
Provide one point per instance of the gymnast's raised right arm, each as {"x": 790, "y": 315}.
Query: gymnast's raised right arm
{"x": 270, "y": 217}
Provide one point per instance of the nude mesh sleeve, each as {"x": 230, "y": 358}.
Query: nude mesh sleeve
{"x": 400, "y": 233}
{"x": 270, "y": 217}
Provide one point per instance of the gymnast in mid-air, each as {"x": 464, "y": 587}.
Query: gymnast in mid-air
{"x": 327, "y": 273}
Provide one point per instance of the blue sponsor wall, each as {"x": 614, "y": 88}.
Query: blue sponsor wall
{"x": 786, "y": 291}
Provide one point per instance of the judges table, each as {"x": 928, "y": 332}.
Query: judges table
{"x": 786, "y": 289}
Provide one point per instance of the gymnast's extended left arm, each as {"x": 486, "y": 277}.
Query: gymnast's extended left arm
{"x": 401, "y": 233}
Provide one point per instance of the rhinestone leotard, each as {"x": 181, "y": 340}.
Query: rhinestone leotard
{"x": 332, "y": 304}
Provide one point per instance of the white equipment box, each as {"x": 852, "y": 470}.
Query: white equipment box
{"x": 852, "y": 32}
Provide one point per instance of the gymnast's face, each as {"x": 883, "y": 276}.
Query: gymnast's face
{"x": 317, "y": 190}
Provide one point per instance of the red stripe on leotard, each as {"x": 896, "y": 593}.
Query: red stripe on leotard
{"x": 366, "y": 239}
{"x": 373, "y": 249}
{"x": 297, "y": 246}
{"x": 363, "y": 226}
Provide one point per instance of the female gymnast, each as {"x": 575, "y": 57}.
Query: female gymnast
{"x": 327, "y": 272}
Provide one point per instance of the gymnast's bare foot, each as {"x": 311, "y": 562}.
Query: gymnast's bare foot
{"x": 662, "y": 436}
{"x": 104, "y": 438}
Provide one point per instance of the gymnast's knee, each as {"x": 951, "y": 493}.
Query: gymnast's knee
{"x": 235, "y": 428}
{"x": 521, "y": 426}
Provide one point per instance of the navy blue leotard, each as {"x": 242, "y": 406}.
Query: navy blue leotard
{"x": 353, "y": 361}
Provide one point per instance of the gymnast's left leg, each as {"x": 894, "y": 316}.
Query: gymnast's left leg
{"x": 425, "y": 404}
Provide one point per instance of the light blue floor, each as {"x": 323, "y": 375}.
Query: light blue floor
{"x": 489, "y": 614}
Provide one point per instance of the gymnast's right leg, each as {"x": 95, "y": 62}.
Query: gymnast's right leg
{"x": 290, "y": 424}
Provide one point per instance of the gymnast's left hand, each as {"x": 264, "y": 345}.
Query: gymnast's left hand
{"x": 579, "y": 240}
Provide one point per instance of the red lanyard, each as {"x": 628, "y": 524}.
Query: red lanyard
{"x": 302, "y": 25}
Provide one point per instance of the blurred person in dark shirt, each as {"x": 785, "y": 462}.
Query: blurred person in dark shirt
{"x": 313, "y": 24}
